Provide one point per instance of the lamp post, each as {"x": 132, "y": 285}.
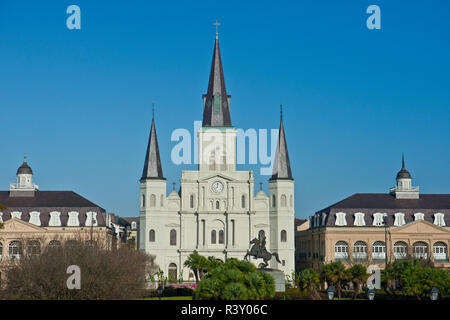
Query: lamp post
{"x": 434, "y": 293}
{"x": 330, "y": 292}
{"x": 371, "y": 293}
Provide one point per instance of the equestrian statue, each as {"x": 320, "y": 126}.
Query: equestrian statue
{"x": 258, "y": 250}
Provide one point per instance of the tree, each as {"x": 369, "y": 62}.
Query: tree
{"x": 357, "y": 275}
{"x": 334, "y": 273}
{"x": 105, "y": 273}
{"x": 308, "y": 279}
{"x": 197, "y": 264}
{"x": 235, "y": 280}
{"x": 2, "y": 207}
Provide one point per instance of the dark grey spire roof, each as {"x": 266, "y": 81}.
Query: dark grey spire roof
{"x": 216, "y": 109}
{"x": 282, "y": 165}
{"x": 24, "y": 168}
{"x": 152, "y": 165}
{"x": 403, "y": 173}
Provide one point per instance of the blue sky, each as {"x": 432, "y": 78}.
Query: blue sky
{"x": 79, "y": 101}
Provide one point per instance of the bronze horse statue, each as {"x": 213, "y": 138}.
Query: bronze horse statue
{"x": 258, "y": 250}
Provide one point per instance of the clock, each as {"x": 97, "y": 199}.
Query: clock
{"x": 217, "y": 187}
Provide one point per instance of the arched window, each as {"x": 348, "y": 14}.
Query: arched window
{"x": 223, "y": 165}
{"x": 283, "y": 200}
{"x": 55, "y": 220}
{"x": 400, "y": 250}
{"x": 173, "y": 237}
{"x": 399, "y": 219}
{"x": 73, "y": 219}
{"x": 360, "y": 251}
{"x": 15, "y": 250}
{"x": 172, "y": 272}
{"x": 274, "y": 201}
{"x": 191, "y": 201}
{"x": 292, "y": 201}
{"x": 420, "y": 250}
{"x": 217, "y": 204}
{"x": 152, "y": 200}
{"x": 221, "y": 237}
{"x": 143, "y": 201}
{"x": 340, "y": 219}
{"x": 283, "y": 236}
{"x": 439, "y": 219}
{"x": 212, "y": 161}
{"x": 162, "y": 200}
{"x": 213, "y": 237}
{"x": 359, "y": 219}
{"x": 152, "y": 235}
{"x": 54, "y": 244}
{"x": 33, "y": 249}
{"x": 341, "y": 250}
{"x": 440, "y": 251}
{"x": 378, "y": 250}
{"x": 243, "y": 204}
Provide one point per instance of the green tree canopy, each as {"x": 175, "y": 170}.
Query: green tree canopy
{"x": 235, "y": 280}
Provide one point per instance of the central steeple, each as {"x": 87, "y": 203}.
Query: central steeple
{"x": 216, "y": 102}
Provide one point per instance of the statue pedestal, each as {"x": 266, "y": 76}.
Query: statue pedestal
{"x": 278, "y": 276}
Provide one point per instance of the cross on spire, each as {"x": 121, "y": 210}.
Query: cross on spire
{"x": 24, "y": 157}
{"x": 217, "y": 24}
{"x": 281, "y": 111}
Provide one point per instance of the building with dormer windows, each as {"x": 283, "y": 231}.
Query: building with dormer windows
{"x": 34, "y": 219}
{"x": 379, "y": 228}
{"x": 216, "y": 211}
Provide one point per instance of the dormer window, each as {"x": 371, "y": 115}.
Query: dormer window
{"x": 359, "y": 219}
{"x": 399, "y": 219}
{"x": 55, "y": 220}
{"x": 419, "y": 216}
{"x": 35, "y": 218}
{"x": 91, "y": 219}
{"x": 16, "y": 214}
{"x": 133, "y": 225}
{"x": 378, "y": 219}
{"x": 439, "y": 219}
{"x": 73, "y": 219}
{"x": 340, "y": 219}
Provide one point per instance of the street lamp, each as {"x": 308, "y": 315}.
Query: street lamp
{"x": 371, "y": 293}
{"x": 434, "y": 293}
{"x": 160, "y": 291}
{"x": 330, "y": 292}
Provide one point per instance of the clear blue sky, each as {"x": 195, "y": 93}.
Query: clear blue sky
{"x": 79, "y": 102}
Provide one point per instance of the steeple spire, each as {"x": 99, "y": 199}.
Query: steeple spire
{"x": 403, "y": 160}
{"x": 216, "y": 109}
{"x": 282, "y": 165}
{"x": 152, "y": 165}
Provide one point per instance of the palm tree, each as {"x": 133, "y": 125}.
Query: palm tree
{"x": 2, "y": 207}
{"x": 197, "y": 264}
{"x": 358, "y": 274}
{"x": 309, "y": 280}
{"x": 334, "y": 273}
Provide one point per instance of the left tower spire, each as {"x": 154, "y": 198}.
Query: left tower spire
{"x": 152, "y": 164}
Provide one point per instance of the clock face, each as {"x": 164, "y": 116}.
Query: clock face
{"x": 217, "y": 187}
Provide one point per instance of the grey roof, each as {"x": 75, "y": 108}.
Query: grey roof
{"x": 282, "y": 165}
{"x": 24, "y": 168}
{"x": 216, "y": 114}
{"x": 152, "y": 164}
{"x": 48, "y": 201}
{"x": 403, "y": 173}
{"x": 370, "y": 203}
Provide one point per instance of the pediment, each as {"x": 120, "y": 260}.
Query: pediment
{"x": 17, "y": 225}
{"x": 420, "y": 226}
{"x": 216, "y": 175}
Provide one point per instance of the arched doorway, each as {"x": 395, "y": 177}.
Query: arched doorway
{"x": 172, "y": 272}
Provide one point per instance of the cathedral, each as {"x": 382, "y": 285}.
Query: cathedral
{"x": 216, "y": 211}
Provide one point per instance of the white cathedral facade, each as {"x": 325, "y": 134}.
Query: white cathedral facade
{"x": 216, "y": 211}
